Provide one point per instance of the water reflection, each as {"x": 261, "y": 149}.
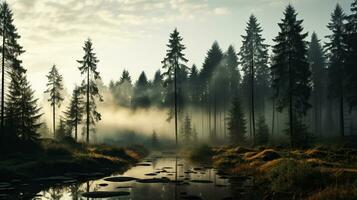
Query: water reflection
{"x": 183, "y": 179}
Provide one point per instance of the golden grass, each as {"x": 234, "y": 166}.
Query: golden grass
{"x": 267, "y": 166}
{"x": 267, "y": 154}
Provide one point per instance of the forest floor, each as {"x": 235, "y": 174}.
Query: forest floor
{"x": 58, "y": 160}
{"x": 318, "y": 173}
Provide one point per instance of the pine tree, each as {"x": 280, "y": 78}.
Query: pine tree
{"x": 157, "y": 90}
{"x": 351, "y": 55}
{"x": 74, "y": 112}
{"x": 234, "y": 77}
{"x": 336, "y": 50}
{"x": 54, "y": 89}
{"x": 254, "y": 60}
{"x": 89, "y": 87}
{"x": 209, "y": 89}
{"x": 236, "y": 123}
{"x": 154, "y": 140}
{"x": 317, "y": 62}
{"x": 232, "y": 80}
{"x": 62, "y": 132}
{"x": 186, "y": 130}
{"x": 141, "y": 92}
{"x": 173, "y": 63}
{"x": 194, "y": 87}
{"x": 11, "y": 51}
{"x": 123, "y": 90}
{"x": 262, "y": 131}
{"x": 290, "y": 69}
{"x": 22, "y": 113}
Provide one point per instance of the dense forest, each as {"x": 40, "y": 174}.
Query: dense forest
{"x": 296, "y": 91}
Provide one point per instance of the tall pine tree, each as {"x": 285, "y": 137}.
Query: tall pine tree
{"x": 336, "y": 51}
{"x": 54, "y": 89}
{"x": 351, "y": 58}
{"x": 317, "y": 62}
{"x": 209, "y": 91}
{"x": 88, "y": 68}
{"x": 11, "y": 50}
{"x": 291, "y": 70}
{"x": 173, "y": 63}
{"x": 254, "y": 60}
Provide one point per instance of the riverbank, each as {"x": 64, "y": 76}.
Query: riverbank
{"x": 67, "y": 159}
{"x": 279, "y": 173}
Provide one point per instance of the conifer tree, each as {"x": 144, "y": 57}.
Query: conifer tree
{"x": 22, "y": 112}
{"x": 173, "y": 63}
{"x": 62, "y": 132}
{"x": 209, "y": 93}
{"x": 186, "y": 130}
{"x": 123, "y": 90}
{"x": 262, "y": 131}
{"x": 236, "y": 123}
{"x": 351, "y": 55}
{"x": 194, "y": 85}
{"x": 232, "y": 80}
{"x": 141, "y": 97}
{"x": 157, "y": 90}
{"x": 317, "y": 62}
{"x": 336, "y": 51}
{"x": 291, "y": 70}
{"x": 88, "y": 68}
{"x": 54, "y": 89}
{"x": 254, "y": 60}
{"x": 74, "y": 112}
{"x": 154, "y": 140}
{"x": 11, "y": 50}
{"x": 234, "y": 77}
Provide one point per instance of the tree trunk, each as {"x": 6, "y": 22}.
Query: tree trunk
{"x": 87, "y": 138}
{"x": 3, "y": 81}
{"x": 273, "y": 118}
{"x": 175, "y": 91}
{"x": 290, "y": 105}
{"x": 342, "y": 120}
{"x": 76, "y": 127}
{"x": 54, "y": 119}
{"x": 252, "y": 98}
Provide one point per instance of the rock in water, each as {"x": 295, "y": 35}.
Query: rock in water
{"x": 104, "y": 194}
{"x": 120, "y": 179}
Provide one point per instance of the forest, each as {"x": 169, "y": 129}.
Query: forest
{"x": 269, "y": 121}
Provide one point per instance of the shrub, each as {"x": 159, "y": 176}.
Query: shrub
{"x": 335, "y": 193}
{"x": 202, "y": 152}
{"x": 290, "y": 175}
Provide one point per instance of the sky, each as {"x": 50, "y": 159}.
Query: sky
{"x": 132, "y": 34}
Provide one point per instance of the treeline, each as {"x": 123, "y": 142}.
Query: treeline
{"x": 228, "y": 99}
{"x": 306, "y": 82}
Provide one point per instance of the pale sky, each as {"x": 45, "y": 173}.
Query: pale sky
{"x": 132, "y": 34}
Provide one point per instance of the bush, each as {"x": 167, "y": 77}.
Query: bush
{"x": 57, "y": 150}
{"x": 290, "y": 175}
{"x": 335, "y": 193}
{"x": 202, "y": 152}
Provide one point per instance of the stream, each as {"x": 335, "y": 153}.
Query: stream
{"x": 153, "y": 178}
